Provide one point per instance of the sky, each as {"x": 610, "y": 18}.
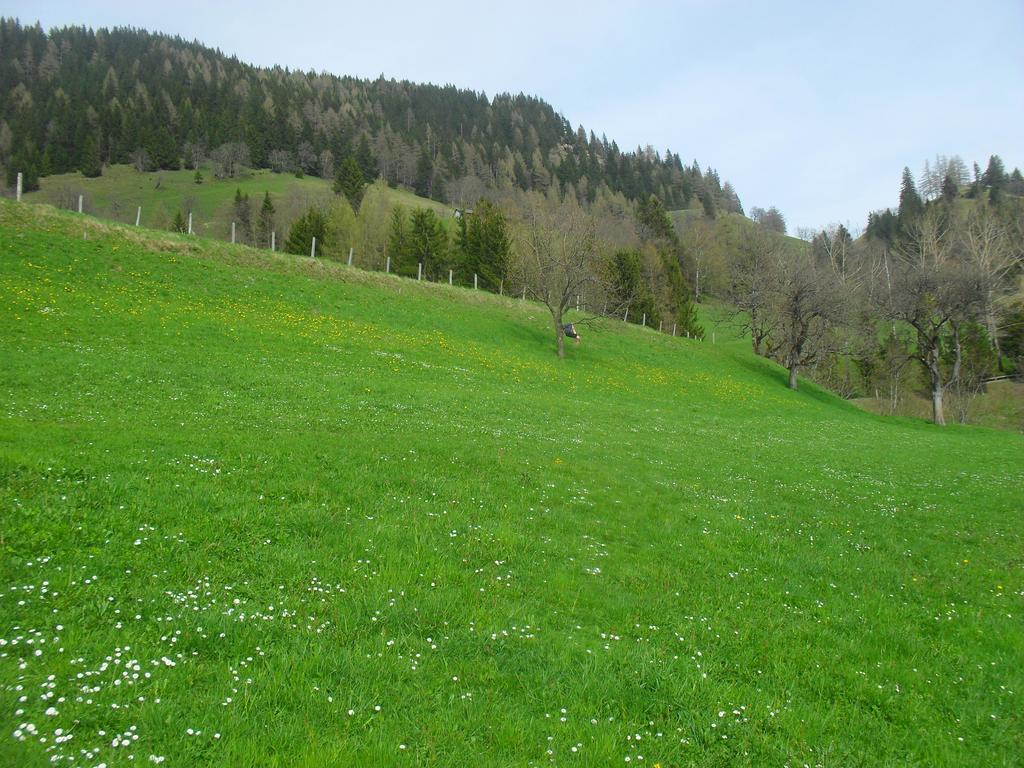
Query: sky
{"x": 814, "y": 107}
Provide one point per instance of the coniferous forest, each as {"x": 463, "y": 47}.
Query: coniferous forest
{"x": 76, "y": 99}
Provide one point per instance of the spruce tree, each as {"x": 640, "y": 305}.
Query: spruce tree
{"x": 179, "y": 225}
{"x": 398, "y": 236}
{"x": 350, "y": 182}
{"x": 366, "y": 161}
{"x": 709, "y": 204}
{"x": 911, "y": 205}
{"x": 91, "y": 165}
{"x": 995, "y": 173}
{"x": 949, "y": 188}
{"x": 243, "y": 214}
{"x": 428, "y": 244}
{"x": 424, "y": 174}
{"x": 265, "y": 222}
{"x": 311, "y": 224}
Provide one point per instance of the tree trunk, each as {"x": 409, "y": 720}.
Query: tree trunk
{"x": 559, "y": 334}
{"x": 954, "y": 377}
{"x": 792, "y": 376}
{"x": 696, "y": 290}
{"x": 936, "y": 385}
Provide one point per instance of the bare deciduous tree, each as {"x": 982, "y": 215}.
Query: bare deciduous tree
{"x": 195, "y": 153}
{"x": 752, "y": 274}
{"x": 935, "y": 293}
{"x": 229, "y": 158}
{"x": 557, "y": 260}
{"x": 990, "y": 248}
{"x": 806, "y": 302}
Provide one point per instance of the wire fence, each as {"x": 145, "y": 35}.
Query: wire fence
{"x": 231, "y": 231}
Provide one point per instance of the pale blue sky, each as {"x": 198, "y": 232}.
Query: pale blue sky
{"x": 814, "y": 107}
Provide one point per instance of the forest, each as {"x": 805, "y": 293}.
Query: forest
{"x": 77, "y": 99}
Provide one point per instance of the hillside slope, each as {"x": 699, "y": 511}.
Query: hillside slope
{"x": 121, "y": 190}
{"x": 260, "y": 510}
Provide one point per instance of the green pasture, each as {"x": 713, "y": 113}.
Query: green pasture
{"x": 257, "y": 510}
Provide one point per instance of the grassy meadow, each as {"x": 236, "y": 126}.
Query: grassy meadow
{"x": 259, "y": 510}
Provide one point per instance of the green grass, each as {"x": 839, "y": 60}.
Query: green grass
{"x": 121, "y": 189}
{"x": 281, "y": 492}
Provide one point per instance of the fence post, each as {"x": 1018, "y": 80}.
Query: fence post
{"x": 661, "y": 324}
{"x": 312, "y": 248}
{"x": 577, "y": 302}
{"x": 80, "y": 203}
{"x": 474, "y": 281}
{"x": 712, "y": 337}
{"x": 501, "y": 288}
{"x": 450, "y": 275}
{"x": 673, "y": 329}
{"x": 419, "y": 271}
{"x": 625, "y": 316}
{"x": 19, "y": 187}
{"x": 644, "y": 321}
{"x": 273, "y": 240}
{"x": 138, "y": 215}
{"x": 387, "y": 265}
{"x": 190, "y": 222}
{"x": 350, "y": 256}
{"x": 524, "y": 293}
{"x": 232, "y": 233}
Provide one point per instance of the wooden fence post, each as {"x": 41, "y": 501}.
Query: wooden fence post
{"x": 350, "y": 256}
{"x": 419, "y": 271}
{"x": 190, "y": 222}
{"x": 80, "y": 203}
{"x": 387, "y": 265}
{"x": 474, "y": 281}
{"x": 138, "y": 215}
{"x": 232, "y": 233}
{"x": 673, "y": 329}
{"x": 273, "y": 240}
{"x": 312, "y": 248}
{"x": 18, "y": 196}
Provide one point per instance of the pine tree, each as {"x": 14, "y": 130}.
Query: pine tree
{"x": 366, "y": 161}
{"x": 311, "y": 224}
{"x": 398, "y": 236}
{"x": 428, "y": 245}
{"x": 709, "y": 204}
{"x": 485, "y": 244}
{"x": 198, "y": 178}
{"x": 949, "y": 188}
{"x": 424, "y": 175}
{"x": 243, "y": 214}
{"x": 350, "y": 182}
{"x": 265, "y": 222}
{"x": 995, "y": 174}
{"x": 911, "y": 205}
{"x": 163, "y": 152}
{"x": 1015, "y": 186}
{"x": 91, "y": 165}
{"x": 179, "y": 225}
